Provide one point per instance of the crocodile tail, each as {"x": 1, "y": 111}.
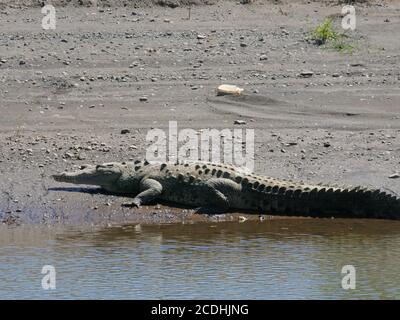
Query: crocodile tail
{"x": 333, "y": 202}
{"x": 366, "y": 203}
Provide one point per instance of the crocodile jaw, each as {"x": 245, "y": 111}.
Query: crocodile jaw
{"x": 90, "y": 175}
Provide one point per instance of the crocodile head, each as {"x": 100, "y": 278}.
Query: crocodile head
{"x": 100, "y": 175}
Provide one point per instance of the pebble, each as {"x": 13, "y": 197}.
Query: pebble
{"x": 306, "y": 74}
{"x": 357, "y": 64}
{"x": 285, "y": 32}
{"x": 239, "y": 122}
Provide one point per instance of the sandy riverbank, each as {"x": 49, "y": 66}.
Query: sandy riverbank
{"x": 66, "y": 95}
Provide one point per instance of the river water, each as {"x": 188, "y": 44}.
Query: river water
{"x": 272, "y": 259}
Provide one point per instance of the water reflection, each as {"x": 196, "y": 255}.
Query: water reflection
{"x": 284, "y": 258}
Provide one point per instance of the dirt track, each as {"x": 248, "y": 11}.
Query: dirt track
{"x": 66, "y": 94}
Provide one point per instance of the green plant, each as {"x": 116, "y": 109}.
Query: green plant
{"x": 324, "y": 32}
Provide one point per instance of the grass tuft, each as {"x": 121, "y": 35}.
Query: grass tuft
{"x": 325, "y": 34}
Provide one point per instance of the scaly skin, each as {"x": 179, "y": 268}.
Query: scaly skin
{"x": 203, "y": 184}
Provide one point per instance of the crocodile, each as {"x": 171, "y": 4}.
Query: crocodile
{"x": 226, "y": 187}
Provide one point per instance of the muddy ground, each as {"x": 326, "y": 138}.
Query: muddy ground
{"x": 66, "y": 94}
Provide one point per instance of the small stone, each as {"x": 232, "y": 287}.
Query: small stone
{"x": 327, "y": 144}
{"x": 143, "y": 99}
{"x": 239, "y": 122}
{"x": 227, "y": 89}
{"x": 306, "y": 74}
{"x": 125, "y": 131}
{"x": 263, "y": 57}
{"x": 357, "y": 64}
{"x": 285, "y": 32}
{"x": 394, "y": 176}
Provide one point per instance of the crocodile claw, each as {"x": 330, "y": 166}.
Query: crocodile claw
{"x": 133, "y": 204}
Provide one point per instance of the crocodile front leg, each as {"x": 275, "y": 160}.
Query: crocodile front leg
{"x": 150, "y": 190}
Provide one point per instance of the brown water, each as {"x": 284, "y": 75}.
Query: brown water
{"x": 287, "y": 258}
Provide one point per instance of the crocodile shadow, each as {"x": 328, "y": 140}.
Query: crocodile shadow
{"x": 197, "y": 210}
{"x": 205, "y": 210}
{"x": 81, "y": 190}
